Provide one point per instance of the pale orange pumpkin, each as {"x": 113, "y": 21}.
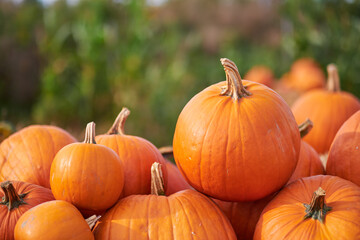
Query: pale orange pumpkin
{"x": 328, "y": 109}
{"x": 81, "y": 172}
{"x": 27, "y": 154}
{"x": 183, "y": 215}
{"x": 138, "y": 154}
{"x": 55, "y": 220}
{"x": 344, "y": 155}
{"x": 236, "y": 140}
{"x": 15, "y": 199}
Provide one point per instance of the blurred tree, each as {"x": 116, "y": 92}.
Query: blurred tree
{"x": 328, "y": 31}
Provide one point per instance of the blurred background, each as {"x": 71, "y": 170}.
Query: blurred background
{"x": 71, "y": 62}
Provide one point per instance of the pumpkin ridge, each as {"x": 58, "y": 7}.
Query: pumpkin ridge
{"x": 34, "y": 172}
{"x": 217, "y": 108}
{"x": 186, "y": 216}
{"x": 171, "y": 220}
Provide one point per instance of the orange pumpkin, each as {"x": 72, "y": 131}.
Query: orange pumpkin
{"x": 176, "y": 182}
{"x": 55, "y": 220}
{"x": 27, "y": 154}
{"x": 81, "y": 172}
{"x": 138, "y": 154}
{"x": 328, "y": 109}
{"x": 243, "y": 216}
{"x": 344, "y": 154}
{"x": 183, "y": 215}
{"x": 317, "y": 207}
{"x": 309, "y": 162}
{"x": 305, "y": 75}
{"x": 261, "y": 74}
{"x": 17, "y": 198}
{"x": 236, "y": 140}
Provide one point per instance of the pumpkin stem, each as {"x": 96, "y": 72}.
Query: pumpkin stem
{"x": 91, "y": 221}
{"x": 166, "y": 151}
{"x": 157, "y": 180}
{"x": 317, "y": 209}
{"x": 90, "y": 133}
{"x": 333, "y": 82}
{"x": 11, "y": 198}
{"x": 119, "y": 125}
{"x": 234, "y": 86}
{"x": 305, "y": 127}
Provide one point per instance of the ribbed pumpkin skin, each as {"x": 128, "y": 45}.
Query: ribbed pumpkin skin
{"x": 137, "y": 154}
{"x": 283, "y": 217}
{"x": 328, "y": 111}
{"x": 243, "y": 216}
{"x": 261, "y": 74}
{"x": 236, "y": 150}
{"x": 183, "y": 215}
{"x": 90, "y": 176}
{"x": 309, "y": 163}
{"x": 27, "y": 155}
{"x": 176, "y": 181}
{"x": 35, "y": 196}
{"x": 344, "y": 155}
{"x": 55, "y": 220}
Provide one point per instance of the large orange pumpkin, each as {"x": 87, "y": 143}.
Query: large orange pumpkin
{"x": 243, "y": 216}
{"x": 317, "y": 207}
{"x": 328, "y": 109}
{"x": 183, "y": 215}
{"x": 138, "y": 154}
{"x": 236, "y": 140}
{"x": 27, "y": 154}
{"x": 309, "y": 162}
{"x": 344, "y": 154}
{"x": 55, "y": 220}
{"x": 81, "y": 172}
{"x": 176, "y": 181}
{"x": 261, "y": 74}
{"x": 17, "y": 198}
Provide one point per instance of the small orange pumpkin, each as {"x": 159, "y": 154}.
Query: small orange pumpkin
{"x": 183, "y": 215}
{"x": 261, "y": 74}
{"x": 305, "y": 75}
{"x": 309, "y": 162}
{"x": 55, "y": 220}
{"x": 328, "y": 109}
{"x": 16, "y": 199}
{"x": 138, "y": 154}
{"x": 81, "y": 172}
{"x": 27, "y": 154}
{"x": 317, "y": 207}
{"x": 236, "y": 140}
{"x": 344, "y": 154}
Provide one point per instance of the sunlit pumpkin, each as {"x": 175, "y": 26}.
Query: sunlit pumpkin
{"x": 261, "y": 74}
{"x": 88, "y": 175}
{"x": 236, "y": 140}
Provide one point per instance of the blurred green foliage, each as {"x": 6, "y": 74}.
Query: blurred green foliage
{"x": 98, "y": 56}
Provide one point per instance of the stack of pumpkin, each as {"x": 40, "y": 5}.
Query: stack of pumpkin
{"x": 243, "y": 171}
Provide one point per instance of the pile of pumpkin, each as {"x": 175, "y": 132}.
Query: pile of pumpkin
{"x": 248, "y": 167}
